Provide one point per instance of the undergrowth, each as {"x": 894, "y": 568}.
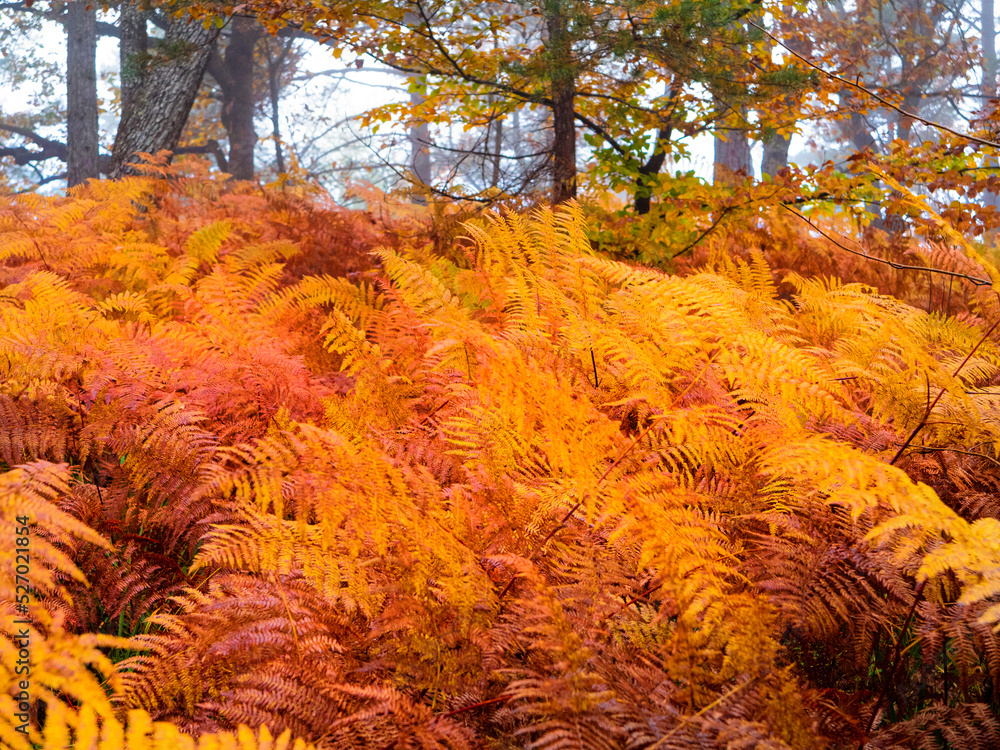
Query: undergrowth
{"x": 503, "y": 493}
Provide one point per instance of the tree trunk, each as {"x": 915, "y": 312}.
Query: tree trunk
{"x": 644, "y": 185}
{"x": 420, "y": 152}
{"x": 775, "y": 155}
{"x": 732, "y": 146}
{"x": 497, "y": 151}
{"x": 653, "y": 165}
{"x": 82, "y": 161}
{"x": 856, "y": 128}
{"x": 904, "y": 125}
{"x": 132, "y": 52}
{"x": 732, "y": 156}
{"x": 989, "y": 87}
{"x": 419, "y": 134}
{"x": 563, "y": 93}
{"x": 164, "y": 92}
{"x": 274, "y": 66}
{"x": 234, "y": 72}
{"x": 237, "y": 107}
{"x": 515, "y": 135}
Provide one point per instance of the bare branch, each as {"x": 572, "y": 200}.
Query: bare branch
{"x": 892, "y": 264}
{"x": 22, "y": 155}
{"x": 882, "y": 100}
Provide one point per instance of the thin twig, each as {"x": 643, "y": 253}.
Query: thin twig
{"x": 709, "y": 707}
{"x": 882, "y": 100}
{"x": 928, "y": 449}
{"x": 633, "y": 600}
{"x": 899, "y": 266}
{"x": 436, "y": 409}
{"x": 917, "y": 596}
{"x": 705, "y": 234}
{"x": 490, "y": 702}
{"x": 930, "y": 406}
{"x": 919, "y": 592}
{"x": 34, "y": 241}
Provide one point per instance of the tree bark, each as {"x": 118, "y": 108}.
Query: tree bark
{"x": 563, "y": 93}
{"x": 164, "y": 92}
{"x": 653, "y": 165}
{"x": 644, "y": 185}
{"x": 732, "y": 145}
{"x": 82, "y": 160}
{"x": 274, "y": 66}
{"x": 233, "y": 70}
{"x": 419, "y": 134}
{"x": 132, "y": 52}
{"x": 732, "y": 156}
{"x": 775, "y": 155}
{"x": 420, "y": 153}
{"x": 238, "y": 104}
{"x": 497, "y": 151}
{"x": 855, "y": 126}
{"x": 516, "y": 136}
{"x": 989, "y": 86}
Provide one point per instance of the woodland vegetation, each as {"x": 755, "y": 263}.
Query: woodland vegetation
{"x": 552, "y": 445}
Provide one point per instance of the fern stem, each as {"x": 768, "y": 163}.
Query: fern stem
{"x": 576, "y": 507}
{"x": 897, "y": 657}
{"x": 944, "y": 668}
{"x": 633, "y": 600}
{"x": 919, "y": 592}
{"x": 41, "y": 256}
{"x": 490, "y": 702}
{"x": 926, "y": 449}
{"x": 436, "y": 409}
{"x": 97, "y": 483}
{"x": 709, "y": 707}
{"x": 593, "y": 361}
{"x": 930, "y": 406}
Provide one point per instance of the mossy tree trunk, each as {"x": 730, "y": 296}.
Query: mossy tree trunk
{"x": 162, "y": 91}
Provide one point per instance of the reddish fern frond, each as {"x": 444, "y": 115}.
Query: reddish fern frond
{"x": 953, "y": 636}
{"x": 66, "y": 670}
{"x": 505, "y": 493}
{"x": 35, "y": 426}
{"x": 251, "y": 651}
{"x": 970, "y": 725}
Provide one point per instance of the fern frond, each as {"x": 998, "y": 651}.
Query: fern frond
{"x": 419, "y": 288}
{"x": 357, "y": 302}
{"x": 35, "y": 426}
{"x": 28, "y": 496}
{"x": 129, "y": 304}
{"x": 341, "y": 336}
{"x": 87, "y": 731}
{"x": 970, "y": 726}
